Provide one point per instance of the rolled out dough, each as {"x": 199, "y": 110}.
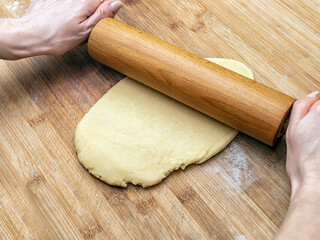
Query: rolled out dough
{"x": 135, "y": 134}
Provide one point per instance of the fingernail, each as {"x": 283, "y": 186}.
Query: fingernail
{"x": 313, "y": 94}
{"x": 115, "y": 6}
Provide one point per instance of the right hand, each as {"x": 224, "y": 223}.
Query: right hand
{"x": 303, "y": 143}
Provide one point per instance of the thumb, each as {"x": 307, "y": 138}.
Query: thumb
{"x": 302, "y": 107}
{"x": 106, "y": 9}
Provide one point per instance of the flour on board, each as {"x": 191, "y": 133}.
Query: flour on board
{"x": 14, "y": 5}
{"x": 240, "y": 237}
{"x": 236, "y": 163}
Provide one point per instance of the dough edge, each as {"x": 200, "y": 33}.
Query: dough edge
{"x": 213, "y": 150}
{"x": 218, "y": 147}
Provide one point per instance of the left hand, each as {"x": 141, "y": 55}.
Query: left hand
{"x": 63, "y": 24}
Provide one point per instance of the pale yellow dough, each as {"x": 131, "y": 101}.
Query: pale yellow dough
{"x": 135, "y": 134}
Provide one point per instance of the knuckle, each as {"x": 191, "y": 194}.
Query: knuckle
{"x": 299, "y": 103}
{"x": 288, "y": 139}
{"x": 292, "y": 136}
{"x": 103, "y": 12}
{"x": 317, "y": 108}
{"x": 82, "y": 28}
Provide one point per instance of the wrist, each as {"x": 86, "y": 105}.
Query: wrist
{"x": 21, "y": 39}
{"x": 307, "y": 193}
{"x": 306, "y": 178}
{"x": 303, "y": 217}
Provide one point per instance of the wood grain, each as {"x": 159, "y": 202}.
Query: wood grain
{"x": 242, "y": 193}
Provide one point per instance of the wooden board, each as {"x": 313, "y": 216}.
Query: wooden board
{"x": 242, "y": 193}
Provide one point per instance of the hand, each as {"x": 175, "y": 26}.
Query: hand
{"x": 52, "y": 27}
{"x": 64, "y": 24}
{"x": 303, "y": 166}
{"x": 303, "y": 143}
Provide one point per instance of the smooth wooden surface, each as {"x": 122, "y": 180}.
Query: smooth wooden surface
{"x": 246, "y": 105}
{"x": 242, "y": 193}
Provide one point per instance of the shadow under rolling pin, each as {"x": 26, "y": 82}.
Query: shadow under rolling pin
{"x": 242, "y": 103}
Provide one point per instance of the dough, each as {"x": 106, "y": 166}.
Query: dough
{"x": 135, "y": 134}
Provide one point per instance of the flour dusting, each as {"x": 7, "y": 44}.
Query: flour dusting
{"x": 236, "y": 164}
{"x": 240, "y": 237}
{"x": 15, "y": 4}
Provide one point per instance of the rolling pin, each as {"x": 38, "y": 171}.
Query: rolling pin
{"x": 242, "y": 103}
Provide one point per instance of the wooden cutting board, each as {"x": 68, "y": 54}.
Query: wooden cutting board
{"x": 242, "y": 193}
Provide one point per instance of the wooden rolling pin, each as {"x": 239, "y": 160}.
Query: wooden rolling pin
{"x": 222, "y": 94}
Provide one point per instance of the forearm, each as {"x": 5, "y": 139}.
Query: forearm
{"x": 303, "y": 217}
{"x": 18, "y": 40}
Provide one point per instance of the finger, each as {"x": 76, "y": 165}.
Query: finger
{"x": 302, "y": 107}
{"x": 106, "y": 9}
{"x": 92, "y": 5}
{"x": 315, "y": 108}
